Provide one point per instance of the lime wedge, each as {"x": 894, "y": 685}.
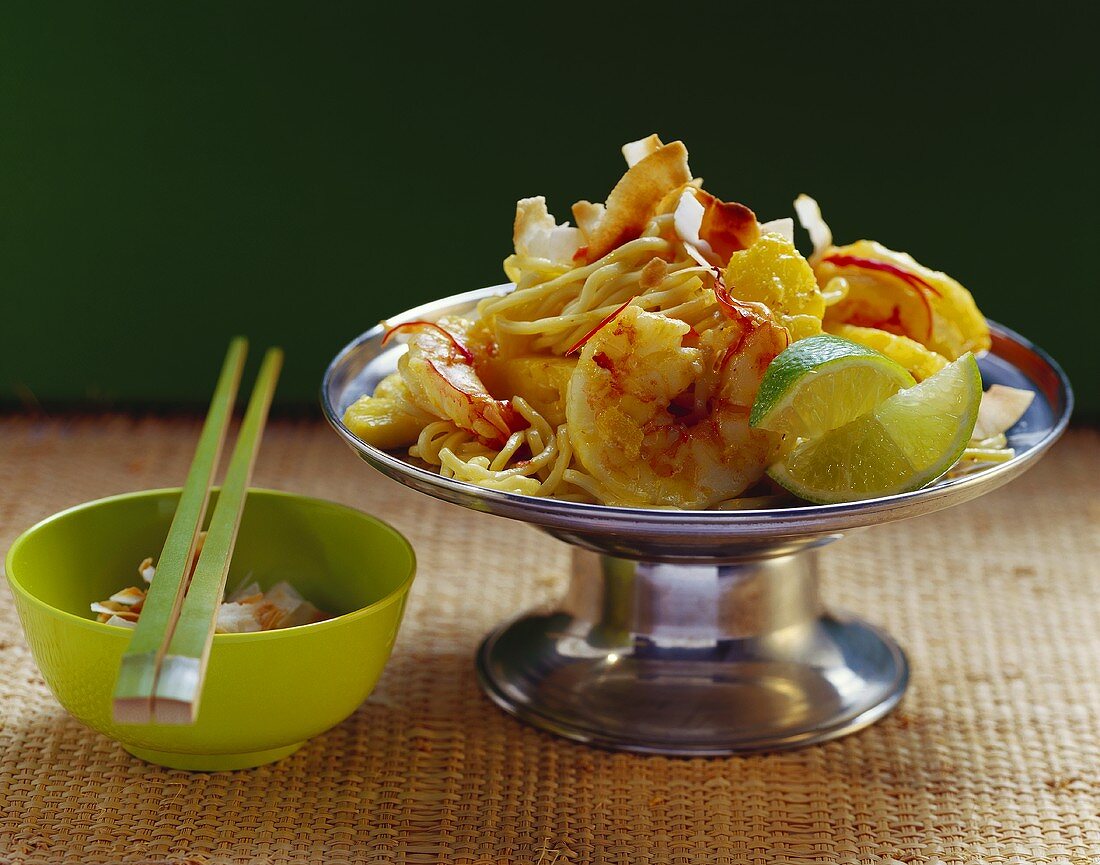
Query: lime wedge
{"x": 902, "y": 444}
{"x": 821, "y": 383}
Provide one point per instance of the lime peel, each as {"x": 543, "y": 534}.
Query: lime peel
{"x": 903, "y": 444}
{"x": 821, "y": 383}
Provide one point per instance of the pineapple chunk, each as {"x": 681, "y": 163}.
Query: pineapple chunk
{"x": 542, "y": 381}
{"x": 386, "y": 419}
{"x": 921, "y": 362}
{"x": 772, "y": 272}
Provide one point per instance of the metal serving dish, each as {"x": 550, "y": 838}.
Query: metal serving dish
{"x": 697, "y": 632}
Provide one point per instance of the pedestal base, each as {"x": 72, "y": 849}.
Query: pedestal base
{"x": 693, "y": 660}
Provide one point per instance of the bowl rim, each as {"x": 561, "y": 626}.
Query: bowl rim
{"x": 389, "y": 598}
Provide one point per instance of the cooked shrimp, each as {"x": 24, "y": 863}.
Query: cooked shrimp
{"x": 440, "y": 371}
{"x": 659, "y": 414}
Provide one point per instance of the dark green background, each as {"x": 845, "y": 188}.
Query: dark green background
{"x": 171, "y": 174}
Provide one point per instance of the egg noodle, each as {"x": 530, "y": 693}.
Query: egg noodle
{"x": 554, "y": 308}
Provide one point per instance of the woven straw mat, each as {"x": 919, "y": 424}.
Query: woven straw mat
{"x": 993, "y": 757}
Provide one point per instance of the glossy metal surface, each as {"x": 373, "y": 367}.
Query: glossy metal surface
{"x": 693, "y": 659}
{"x": 697, "y": 632}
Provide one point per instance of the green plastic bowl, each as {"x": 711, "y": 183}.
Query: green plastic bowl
{"x": 265, "y": 693}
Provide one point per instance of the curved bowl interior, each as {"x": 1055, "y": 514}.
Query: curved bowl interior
{"x": 264, "y": 691}
{"x": 702, "y": 535}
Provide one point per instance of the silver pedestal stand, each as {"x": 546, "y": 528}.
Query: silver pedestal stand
{"x": 697, "y": 632}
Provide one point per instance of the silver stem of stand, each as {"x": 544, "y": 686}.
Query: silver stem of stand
{"x": 693, "y": 659}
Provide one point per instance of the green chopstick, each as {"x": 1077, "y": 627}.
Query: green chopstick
{"x": 182, "y": 671}
{"x": 138, "y": 671}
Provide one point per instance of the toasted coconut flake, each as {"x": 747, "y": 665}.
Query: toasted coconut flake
{"x": 635, "y": 151}
{"x": 687, "y": 220}
{"x": 1000, "y": 409}
{"x": 269, "y": 616}
{"x": 237, "y": 619}
{"x": 279, "y": 603}
{"x": 783, "y": 226}
{"x": 146, "y": 569}
{"x": 129, "y": 596}
{"x": 634, "y": 200}
{"x": 698, "y": 256}
{"x": 672, "y": 198}
{"x": 304, "y": 614}
{"x": 249, "y": 590}
{"x": 537, "y": 234}
{"x": 247, "y": 609}
{"x": 284, "y": 596}
{"x": 727, "y": 226}
{"x": 809, "y": 215}
{"x": 588, "y": 216}
{"x": 109, "y": 609}
{"x": 714, "y": 229}
{"x": 120, "y": 622}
